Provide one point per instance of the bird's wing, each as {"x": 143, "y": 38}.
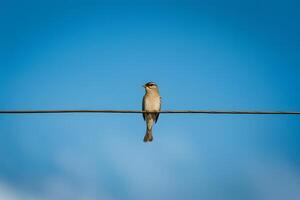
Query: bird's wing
{"x": 143, "y": 108}
{"x": 157, "y": 115}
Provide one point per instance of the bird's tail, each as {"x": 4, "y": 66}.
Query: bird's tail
{"x": 148, "y": 136}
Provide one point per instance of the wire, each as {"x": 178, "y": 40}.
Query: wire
{"x": 162, "y": 112}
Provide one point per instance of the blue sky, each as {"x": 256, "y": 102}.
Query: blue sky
{"x": 94, "y": 55}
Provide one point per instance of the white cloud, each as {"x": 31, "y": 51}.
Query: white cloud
{"x": 274, "y": 179}
{"x": 9, "y": 193}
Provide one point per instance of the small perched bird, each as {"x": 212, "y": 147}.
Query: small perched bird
{"x": 151, "y": 103}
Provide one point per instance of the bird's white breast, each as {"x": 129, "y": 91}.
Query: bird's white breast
{"x": 152, "y": 103}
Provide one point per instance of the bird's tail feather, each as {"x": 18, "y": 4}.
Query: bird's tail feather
{"x": 148, "y": 136}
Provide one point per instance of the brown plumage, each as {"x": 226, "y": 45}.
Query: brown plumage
{"x": 151, "y": 103}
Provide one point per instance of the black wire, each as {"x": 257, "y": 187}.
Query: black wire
{"x": 162, "y": 112}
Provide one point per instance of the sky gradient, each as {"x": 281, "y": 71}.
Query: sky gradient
{"x": 97, "y": 55}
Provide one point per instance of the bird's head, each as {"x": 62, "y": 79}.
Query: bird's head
{"x": 150, "y": 86}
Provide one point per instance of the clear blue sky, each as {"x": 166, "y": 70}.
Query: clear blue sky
{"x": 231, "y": 55}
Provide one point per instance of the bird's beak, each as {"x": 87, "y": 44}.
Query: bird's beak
{"x": 143, "y": 86}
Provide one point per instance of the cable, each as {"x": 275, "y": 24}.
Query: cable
{"x": 162, "y": 112}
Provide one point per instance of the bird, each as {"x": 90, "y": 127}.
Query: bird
{"x": 151, "y": 103}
